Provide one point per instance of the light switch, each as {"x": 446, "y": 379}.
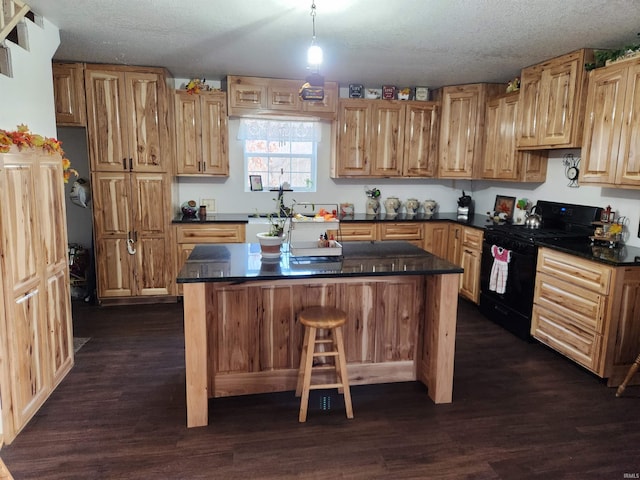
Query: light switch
{"x": 210, "y": 203}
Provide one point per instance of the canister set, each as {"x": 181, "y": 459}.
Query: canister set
{"x": 393, "y": 206}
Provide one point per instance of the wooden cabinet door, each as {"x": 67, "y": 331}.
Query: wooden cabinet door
{"x": 146, "y": 122}
{"x": 358, "y": 231}
{"x": 601, "y": 139}
{"x": 628, "y": 170}
{"x": 460, "y": 130}
{"x": 126, "y": 120}
{"x": 68, "y": 94}
{"x": 152, "y": 241}
{"x": 215, "y": 134}
{"x": 492, "y": 138}
{"x": 387, "y": 138}
{"x": 558, "y": 98}
{"x": 113, "y": 224}
{"x": 436, "y": 238}
{"x": 283, "y": 95}
{"x": 420, "y": 140}
{"x": 410, "y": 231}
{"x": 328, "y": 107}
{"x": 106, "y": 122}
{"x": 454, "y": 249}
{"x": 188, "y": 133}
{"x": 527, "y": 118}
{"x": 354, "y": 127}
{"x": 470, "y": 279}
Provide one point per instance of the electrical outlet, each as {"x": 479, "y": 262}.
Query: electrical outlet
{"x": 210, "y": 203}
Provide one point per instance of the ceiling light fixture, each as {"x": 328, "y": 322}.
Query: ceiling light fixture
{"x": 313, "y": 89}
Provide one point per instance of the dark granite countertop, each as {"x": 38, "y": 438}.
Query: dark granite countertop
{"x": 239, "y": 262}
{"x": 619, "y": 256}
{"x": 477, "y": 221}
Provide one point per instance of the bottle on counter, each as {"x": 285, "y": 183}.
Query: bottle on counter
{"x": 202, "y": 212}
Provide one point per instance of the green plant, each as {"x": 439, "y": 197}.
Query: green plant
{"x": 601, "y": 57}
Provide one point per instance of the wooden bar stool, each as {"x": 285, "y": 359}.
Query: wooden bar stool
{"x": 331, "y": 319}
{"x": 632, "y": 371}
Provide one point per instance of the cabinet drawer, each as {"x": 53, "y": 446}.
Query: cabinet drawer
{"x": 581, "y": 305}
{"x": 472, "y": 238}
{"x": 587, "y": 274}
{"x": 222, "y": 233}
{"x": 358, "y": 231}
{"x": 401, "y": 231}
{"x": 581, "y": 345}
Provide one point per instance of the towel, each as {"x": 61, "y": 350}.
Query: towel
{"x": 500, "y": 269}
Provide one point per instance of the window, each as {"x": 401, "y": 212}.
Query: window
{"x": 280, "y": 151}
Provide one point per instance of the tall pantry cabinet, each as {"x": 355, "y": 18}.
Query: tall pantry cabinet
{"x": 130, "y": 152}
{"x": 36, "y": 338}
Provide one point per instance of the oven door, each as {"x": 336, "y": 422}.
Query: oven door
{"x": 511, "y": 308}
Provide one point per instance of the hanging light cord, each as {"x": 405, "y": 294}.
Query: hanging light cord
{"x": 313, "y": 19}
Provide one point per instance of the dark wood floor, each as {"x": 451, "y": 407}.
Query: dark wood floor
{"x": 519, "y": 411}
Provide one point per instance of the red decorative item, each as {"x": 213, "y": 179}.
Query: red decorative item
{"x": 388, "y": 92}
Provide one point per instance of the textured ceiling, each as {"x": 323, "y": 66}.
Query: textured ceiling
{"x": 373, "y": 42}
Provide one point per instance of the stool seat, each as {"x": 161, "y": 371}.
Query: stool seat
{"x": 316, "y": 318}
{"x": 322, "y": 317}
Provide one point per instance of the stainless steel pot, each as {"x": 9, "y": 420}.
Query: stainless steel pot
{"x": 533, "y": 220}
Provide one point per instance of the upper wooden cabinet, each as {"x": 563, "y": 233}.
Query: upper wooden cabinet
{"x": 501, "y": 160}
{"x": 275, "y": 96}
{"x": 127, "y": 119}
{"x": 202, "y": 136}
{"x": 386, "y": 138}
{"x": 610, "y": 154}
{"x": 68, "y": 94}
{"x": 462, "y": 128}
{"x": 552, "y": 101}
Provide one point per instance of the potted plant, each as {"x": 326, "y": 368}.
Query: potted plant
{"x": 271, "y": 240}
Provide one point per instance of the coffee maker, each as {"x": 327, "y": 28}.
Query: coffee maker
{"x": 465, "y": 207}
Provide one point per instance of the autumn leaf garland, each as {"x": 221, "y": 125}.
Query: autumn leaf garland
{"x": 23, "y": 138}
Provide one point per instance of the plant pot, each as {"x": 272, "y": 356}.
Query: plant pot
{"x": 270, "y": 244}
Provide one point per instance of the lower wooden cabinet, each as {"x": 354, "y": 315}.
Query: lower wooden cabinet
{"x": 588, "y": 312}
{"x": 436, "y": 238}
{"x": 36, "y": 338}
{"x": 465, "y": 249}
{"x": 134, "y": 258}
{"x": 412, "y": 232}
{"x": 256, "y": 351}
{"x": 190, "y": 235}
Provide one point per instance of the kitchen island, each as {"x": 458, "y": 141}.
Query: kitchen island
{"x": 242, "y": 335}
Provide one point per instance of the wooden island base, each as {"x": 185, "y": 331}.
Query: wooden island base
{"x": 244, "y": 338}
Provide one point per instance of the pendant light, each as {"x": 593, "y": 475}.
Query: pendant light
{"x": 313, "y": 89}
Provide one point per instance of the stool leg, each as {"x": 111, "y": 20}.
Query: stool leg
{"x": 303, "y": 356}
{"x": 308, "y": 364}
{"x": 344, "y": 376}
{"x": 632, "y": 370}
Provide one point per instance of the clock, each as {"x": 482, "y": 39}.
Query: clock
{"x": 572, "y": 171}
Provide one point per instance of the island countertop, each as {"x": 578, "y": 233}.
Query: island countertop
{"x": 237, "y": 262}
{"x": 241, "y": 330}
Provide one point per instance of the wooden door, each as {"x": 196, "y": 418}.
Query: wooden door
{"x": 188, "y": 134}
{"x": 152, "y": 241}
{"x": 558, "y": 97}
{"x": 24, "y": 298}
{"x": 460, "y": 136}
{"x": 68, "y": 94}
{"x": 215, "y": 134}
{"x": 454, "y": 249}
{"x": 106, "y": 121}
{"x": 528, "y": 115}
{"x": 628, "y": 170}
{"x": 603, "y": 124}
{"x": 493, "y": 141}
{"x": 387, "y": 138}
{"x": 420, "y": 140}
{"x": 354, "y": 130}
{"x": 146, "y": 121}
{"x": 57, "y": 309}
{"x": 114, "y": 233}
{"x": 436, "y": 238}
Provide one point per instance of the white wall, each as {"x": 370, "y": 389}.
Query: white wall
{"x": 27, "y": 97}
